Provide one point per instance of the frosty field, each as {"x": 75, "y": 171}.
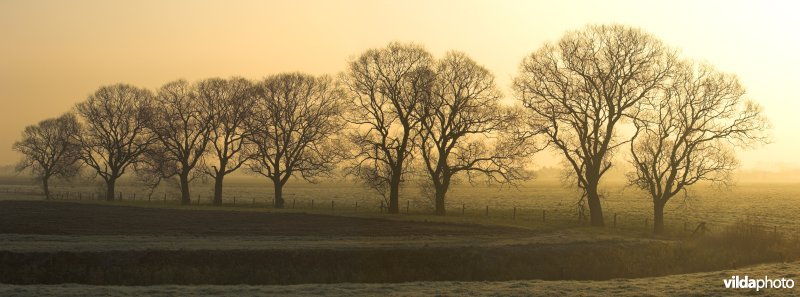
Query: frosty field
{"x": 152, "y": 231}
{"x": 695, "y": 284}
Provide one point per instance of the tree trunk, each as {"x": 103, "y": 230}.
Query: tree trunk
{"x": 658, "y": 217}
{"x": 46, "y": 188}
{"x": 279, "y": 203}
{"x": 186, "y": 199}
{"x": 110, "y": 191}
{"x": 595, "y": 208}
{"x": 394, "y": 193}
{"x": 218, "y": 188}
{"x": 440, "y": 192}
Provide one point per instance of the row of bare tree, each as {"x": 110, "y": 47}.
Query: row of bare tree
{"x": 593, "y": 93}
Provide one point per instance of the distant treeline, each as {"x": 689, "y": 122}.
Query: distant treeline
{"x": 599, "y": 95}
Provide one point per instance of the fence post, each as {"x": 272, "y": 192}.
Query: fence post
{"x": 198, "y": 199}
{"x": 646, "y": 223}
{"x": 149, "y": 197}
{"x": 356, "y": 206}
{"x": 408, "y": 206}
{"x": 487, "y": 211}
{"x": 615, "y": 219}
{"x": 165, "y": 197}
{"x": 463, "y": 206}
{"x": 234, "y": 200}
{"x": 544, "y": 215}
{"x": 381, "y": 206}
{"x": 514, "y": 216}
{"x": 331, "y": 204}
{"x": 293, "y": 202}
{"x": 312, "y": 203}
{"x": 120, "y": 195}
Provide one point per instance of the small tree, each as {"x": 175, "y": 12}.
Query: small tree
{"x": 583, "y": 87}
{"x": 114, "y": 134}
{"x": 292, "y": 128}
{"x": 49, "y": 149}
{"x": 229, "y": 103}
{"x": 181, "y": 128}
{"x": 463, "y": 128}
{"x": 386, "y": 85}
{"x": 689, "y": 134}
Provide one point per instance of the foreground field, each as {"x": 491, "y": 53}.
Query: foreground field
{"x": 40, "y": 217}
{"x": 695, "y": 284}
{"x": 100, "y": 243}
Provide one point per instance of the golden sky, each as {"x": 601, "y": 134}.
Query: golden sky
{"x": 54, "y": 53}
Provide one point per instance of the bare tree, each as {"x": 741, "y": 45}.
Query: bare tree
{"x": 114, "y": 133}
{"x": 49, "y": 149}
{"x": 181, "y": 128}
{"x": 385, "y": 85}
{"x": 292, "y": 128}
{"x": 583, "y": 86}
{"x": 463, "y": 128}
{"x": 229, "y": 102}
{"x": 688, "y": 134}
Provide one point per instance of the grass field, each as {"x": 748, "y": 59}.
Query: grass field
{"x": 92, "y": 229}
{"x": 695, "y": 284}
{"x": 773, "y": 205}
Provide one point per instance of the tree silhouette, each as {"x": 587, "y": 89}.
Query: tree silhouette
{"x": 386, "y": 85}
{"x": 50, "y": 150}
{"x": 229, "y": 102}
{"x": 292, "y": 128}
{"x": 583, "y": 86}
{"x": 463, "y": 128}
{"x": 181, "y": 127}
{"x": 114, "y": 133}
{"x": 688, "y": 134}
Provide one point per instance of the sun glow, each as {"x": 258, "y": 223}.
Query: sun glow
{"x": 55, "y": 53}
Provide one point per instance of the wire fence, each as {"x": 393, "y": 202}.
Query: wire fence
{"x": 532, "y": 215}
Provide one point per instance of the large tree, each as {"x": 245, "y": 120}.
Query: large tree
{"x": 49, "y": 149}
{"x": 181, "y": 127}
{"x": 293, "y": 125}
{"x": 230, "y": 102}
{"x": 689, "y": 133}
{"x": 465, "y": 129}
{"x": 583, "y": 87}
{"x": 385, "y": 85}
{"x": 114, "y": 133}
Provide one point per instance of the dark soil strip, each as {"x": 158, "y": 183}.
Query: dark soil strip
{"x": 65, "y": 218}
{"x": 576, "y": 261}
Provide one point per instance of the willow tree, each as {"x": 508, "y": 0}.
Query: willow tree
{"x": 229, "y": 102}
{"x": 385, "y": 86}
{"x": 464, "y": 129}
{"x": 181, "y": 128}
{"x": 690, "y": 133}
{"x": 49, "y": 149}
{"x": 583, "y": 87}
{"x": 114, "y": 134}
{"x": 293, "y": 127}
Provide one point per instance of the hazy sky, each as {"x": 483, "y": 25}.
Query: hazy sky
{"x": 54, "y": 53}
